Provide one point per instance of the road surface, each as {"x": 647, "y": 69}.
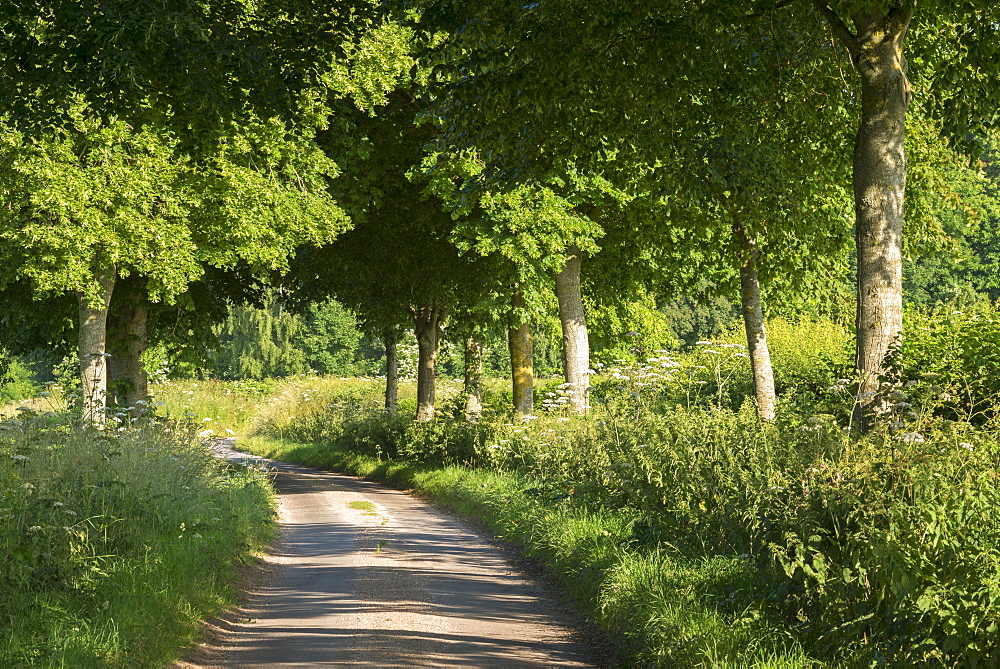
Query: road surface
{"x": 366, "y": 576}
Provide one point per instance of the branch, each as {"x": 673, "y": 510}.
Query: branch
{"x": 840, "y": 29}
{"x": 778, "y": 5}
{"x": 901, "y": 17}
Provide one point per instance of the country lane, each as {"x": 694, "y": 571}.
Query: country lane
{"x": 367, "y": 576}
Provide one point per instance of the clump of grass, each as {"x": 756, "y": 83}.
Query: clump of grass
{"x": 107, "y": 536}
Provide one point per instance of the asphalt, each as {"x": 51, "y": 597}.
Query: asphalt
{"x": 367, "y": 576}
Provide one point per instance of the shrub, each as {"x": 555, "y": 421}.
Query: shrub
{"x": 950, "y": 357}
{"x": 18, "y": 381}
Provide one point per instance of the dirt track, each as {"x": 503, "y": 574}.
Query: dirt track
{"x": 366, "y": 576}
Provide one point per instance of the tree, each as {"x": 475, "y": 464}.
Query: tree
{"x": 102, "y": 201}
{"x": 584, "y": 83}
{"x": 397, "y": 264}
{"x": 718, "y": 174}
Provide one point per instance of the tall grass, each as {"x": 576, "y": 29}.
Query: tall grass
{"x": 115, "y": 544}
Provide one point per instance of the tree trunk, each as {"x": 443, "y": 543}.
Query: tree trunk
{"x": 879, "y": 185}
{"x": 127, "y": 340}
{"x": 428, "y": 325}
{"x": 753, "y": 322}
{"x": 576, "y": 343}
{"x": 92, "y": 343}
{"x": 473, "y": 379}
{"x": 391, "y": 371}
{"x": 521, "y": 362}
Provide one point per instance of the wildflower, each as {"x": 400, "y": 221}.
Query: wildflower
{"x": 897, "y": 396}
{"x": 205, "y": 434}
{"x": 18, "y": 456}
{"x": 966, "y": 445}
{"x": 703, "y": 342}
{"x": 34, "y": 528}
{"x": 912, "y": 438}
{"x": 28, "y": 487}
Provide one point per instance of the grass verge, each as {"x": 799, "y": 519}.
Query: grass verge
{"x": 115, "y": 545}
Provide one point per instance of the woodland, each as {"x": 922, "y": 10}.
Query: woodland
{"x": 716, "y": 282}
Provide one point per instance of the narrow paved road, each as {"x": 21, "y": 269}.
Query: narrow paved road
{"x": 366, "y": 576}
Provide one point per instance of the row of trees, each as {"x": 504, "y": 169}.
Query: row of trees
{"x": 477, "y": 164}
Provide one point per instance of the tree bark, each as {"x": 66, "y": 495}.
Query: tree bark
{"x": 576, "y": 343}
{"x": 93, "y": 315}
{"x": 753, "y": 323}
{"x": 521, "y": 361}
{"x": 391, "y": 339}
{"x": 879, "y": 185}
{"x": 473, "y": 379}
{"x": 127, "y": 340}
{"x": 428, "y": 325}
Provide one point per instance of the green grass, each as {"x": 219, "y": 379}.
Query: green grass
{"x": 115, "y": 545}
{"x": 362, "y": 505}
{"x": 663, "y": 608}
{"x": 225, "y": 407}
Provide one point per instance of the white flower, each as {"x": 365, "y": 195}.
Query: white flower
{"x": 912, "y": 438}
{"x": 206, "y": 433}
{"x": 966, "y": 445}
{"x": 704, "y": 342}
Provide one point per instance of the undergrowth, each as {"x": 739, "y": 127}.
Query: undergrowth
{"x": 114, "y": 545}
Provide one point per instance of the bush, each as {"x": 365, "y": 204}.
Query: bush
{"x": 951, "y": 358}
{"x": 17, "y": 382}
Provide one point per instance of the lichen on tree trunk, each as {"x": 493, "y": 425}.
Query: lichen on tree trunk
{"x": 473, "y": 379}
{"x": 93, "y": 318}
{"x": 428, "y": 325}
{"x": 391, "y": 339}
{"x": 521, "y": 347}
{"x": 576, "y": 343}
{"x": 753, "y": 322}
